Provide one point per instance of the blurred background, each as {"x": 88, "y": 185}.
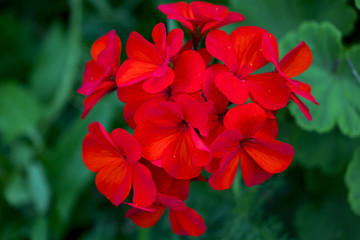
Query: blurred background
{"x": 47, "y": 192}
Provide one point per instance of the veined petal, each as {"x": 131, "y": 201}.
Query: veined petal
{"x": 93, "y": 76}
{"x": 192, "y": 110}
{"x": 271, "y": 155}
{"x": 128, "y": 144}
{"x": 159, "y": 37}
{"x": 132, "y": 71}
{"x": 175, "y": 41}
{"x": 251, "y": 172}
{"x": 247, "y": 44}
{"x": 296, "y": 61}
{"x": 270, "y": 48}
{"x": 219, "y": 45}
{"x": 143, "y": 186}
{"x": 187, "y": 222}
{"x": 304, "y": 109}
{"x": 269, "y": 90}
{"x": 139, "y": 49}
{"x": 114, "y": 181}
{"x": 178, "y": 189}
{"x": 247, "y": 119}
{"x": 199, "y": 152}
{"x": 143, "y": 218}
{"x": 170, "y": 202}
{"x": 157, "y": 84}
{"x": 234, "y": 89}
{"x": 228, "y": 141}
{"x": 223, "y": 178}
{"x": 233, "y": 17}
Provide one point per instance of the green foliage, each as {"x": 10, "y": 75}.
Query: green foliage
{"x": 352, "y": 179}
{"x": 282, "y": 16}
{"x": 19, "y": 110}
{"x": 357, "y": 3}
{"x": 332, "y": 78}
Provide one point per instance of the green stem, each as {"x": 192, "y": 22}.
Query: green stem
{"x": 143, "y": 233}
{"x": 71, "y": 63}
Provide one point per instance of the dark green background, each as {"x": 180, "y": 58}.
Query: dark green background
{"x": 47, "y": 192}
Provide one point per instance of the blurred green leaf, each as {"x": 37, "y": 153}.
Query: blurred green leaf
{"x": 19, "y": 110}
{"x": 16, "y": 190}
{"x": 48, "y": 70}
{"x": 39, "y": 229}
{"x": 331, "y": 77}
{"x": 352, "y": 180}
{"x": 282, "y": 16}
{"x": 357, "y": 3}
{"x": 39, "y": 188}
{"x": 333, "y": 220}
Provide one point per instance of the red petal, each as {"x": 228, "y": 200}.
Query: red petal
{"x": 157, "y": 84}
{"x": 247, "y": 44}
{"x": 219, "y": 45}
{"x": 228, "y": 141}
{"x": 159, "y": 37}
{"x": 193, "y": 111}
{"x": 93, "y": 76}
{"x": 199, "y": 152}
{"x": 233, "y": 17}
{"x": 233, "y": 88}
{"x": 162, "y": 180}
{"x": 251, "y": 172}
{"x": 179, "y": 11}
{"x": 175, "y": 41}
{"x": 171, "y": 202}
{"x": 114, "y": 181}
{"x": 270, "y": 48}
{"x": 268, "y": 131}
{"x": 296, "y": 61}
{"x": 100, "y": 92}
{"x": 189, "y": 69}
{"x": 302, "y": 89}
{"x": 224, "y": 177}
{"x": 106, "y": 51}
{"x": 144, "y": 187}
{"x": 144, "y": 218}
{"x": 178, "y": 189}
{"x": 211, "y": 92}
{"x": 269, "y": 90}
{"x": 304, "y": 109}
{"x": 205, "y": 55}
{"x": 213, "y": 166}
{"x": 187, "y": 222}
{"x": 271, "y": 155}
{"x": 177, "y": 160}
{"x": 246, "y": 118}
{"x": 127, "y": 144}
{"x": 139, "y": 49}
{"x": 133, "y": 71}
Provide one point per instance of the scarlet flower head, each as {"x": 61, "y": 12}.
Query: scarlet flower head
{"x": 260, "y": 157}
{"x": 115, "y": 159}
{"x": 100, "y": 72}
{"x": 242, "y": 54}
{"x": 167, "y": 133}
{"x": 199, "y": 17}
{"x": 295, "y": 62}
{"x": 149, "y": 62}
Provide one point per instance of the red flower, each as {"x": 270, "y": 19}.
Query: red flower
{"x": 241, "y": 53}
{"x": 167, "y": 133}
{"x": 188, "y": 70}
{"x": 260, "y": 157}
{"x": 184, "y": 220}
{"x": 115, "y": 159}
{"x": 149, "y": 62}
{"x": 200, "y": 17}
{"x": 100, "y": 72}
{"x": 295, "y": 62}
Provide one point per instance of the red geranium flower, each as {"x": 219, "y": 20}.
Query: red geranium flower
{"x": 149, "y": 62}
{"x": 188, "y": 70}
{"x": 167, "y": 134}
{"x": 200, "y": 17}
{"x": 241, "y": 53}
{"x": 295, "y": 62}
{"x": 260, "y": 157}
{"x": 115, "y": 159}
{"x": 100, "y": 72}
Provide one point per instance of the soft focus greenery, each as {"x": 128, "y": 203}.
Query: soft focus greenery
{"x": 47, "y": 192}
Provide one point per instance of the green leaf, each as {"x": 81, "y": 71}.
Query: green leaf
{"x": 352, "y": 180}
{"x": 39, "y": 188}
{"x": 49, "y": 68}
{"x": 19, "y": 111}
{"x": 282, "y": 16}
{"x": 332, "y": 77}
{"x": 39, "y": 229}
{"x": 16, "y": 192}
{"x": 357, "y": 3}
{"x": 333, "y": 220}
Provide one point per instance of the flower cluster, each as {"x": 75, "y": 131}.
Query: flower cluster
{"x": 188, "y": 114}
